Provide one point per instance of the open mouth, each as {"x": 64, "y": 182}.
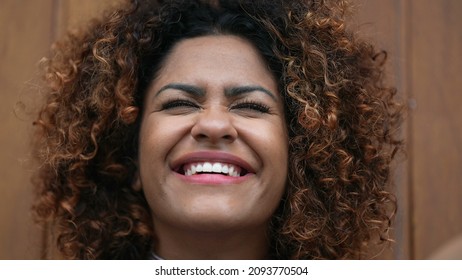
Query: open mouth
{"x": 219, "y": 168}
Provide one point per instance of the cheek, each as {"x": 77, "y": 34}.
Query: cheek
{"x": 269, "y": 141}
{"x": 276, "y": 157}
{"x": 273, "y": 151}
{"x": 154, "y": 143}
{"x": 157, "y": 135}
{"x": 148, "y": 159}
{"x": 149, "y": 141}
{"x": 273, "y": 142}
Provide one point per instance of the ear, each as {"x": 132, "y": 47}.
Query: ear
{"x": 136, "y": 183}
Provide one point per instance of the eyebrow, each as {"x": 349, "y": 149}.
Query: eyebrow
{"x": 236, "y": 91}
{"x": 197, "y": 91}
{"x": 229, "y": 92}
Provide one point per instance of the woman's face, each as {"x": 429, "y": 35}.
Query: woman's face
{"x": 213, "y": 142}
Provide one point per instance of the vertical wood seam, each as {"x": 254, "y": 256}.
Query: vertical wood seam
{"x": 408, "y": 70}
{"x": 45, "y": 242}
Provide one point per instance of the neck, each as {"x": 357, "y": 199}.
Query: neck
{"x": 228, "y": 244}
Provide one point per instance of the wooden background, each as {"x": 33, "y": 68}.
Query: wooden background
{"x": 424, "y": 41}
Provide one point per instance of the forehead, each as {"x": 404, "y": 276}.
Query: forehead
{"x": 222, "y": 45}
{"x": 216, "y": 56}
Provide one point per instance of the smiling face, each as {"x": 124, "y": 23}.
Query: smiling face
{"x": 213, "y": 143}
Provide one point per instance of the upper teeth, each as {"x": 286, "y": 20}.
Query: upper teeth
{"x": 212, "y": 167}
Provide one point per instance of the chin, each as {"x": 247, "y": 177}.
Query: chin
{"x": 213, "y": 219}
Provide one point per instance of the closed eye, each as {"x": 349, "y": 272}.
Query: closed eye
{"x": 252, "y": 106}
{"x": 179, "y": 103}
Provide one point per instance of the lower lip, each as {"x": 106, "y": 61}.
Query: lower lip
{"x": 213, "y": 179}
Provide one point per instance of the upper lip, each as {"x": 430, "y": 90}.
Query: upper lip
{"x": 211, "y": 156}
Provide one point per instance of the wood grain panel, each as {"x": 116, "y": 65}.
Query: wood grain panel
{"x": 75, "y": 13}
{"x": 24, "y": 39}
{"x": 437, "y": 122}
{"x": 384, "y": 23}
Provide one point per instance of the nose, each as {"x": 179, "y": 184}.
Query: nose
{"x": 214, "y": 125}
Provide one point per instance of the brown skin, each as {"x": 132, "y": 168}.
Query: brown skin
{"x": 218, "y": 216}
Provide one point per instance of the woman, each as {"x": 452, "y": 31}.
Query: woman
{"x": 217, "y": 130}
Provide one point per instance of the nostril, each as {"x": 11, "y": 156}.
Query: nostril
{"x": 214, "y": 126}
{"x": 201, "y": 136}
{"x": 228, "y": 137}
{"x": 214, "y": 135}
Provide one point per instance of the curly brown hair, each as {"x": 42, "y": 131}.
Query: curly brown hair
{"x": 342, "y": 122}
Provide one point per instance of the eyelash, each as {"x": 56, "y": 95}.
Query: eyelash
{"x": 245, "y": 104}
{"x": 252, "y": 105}
{"x": 178, "y": 103}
